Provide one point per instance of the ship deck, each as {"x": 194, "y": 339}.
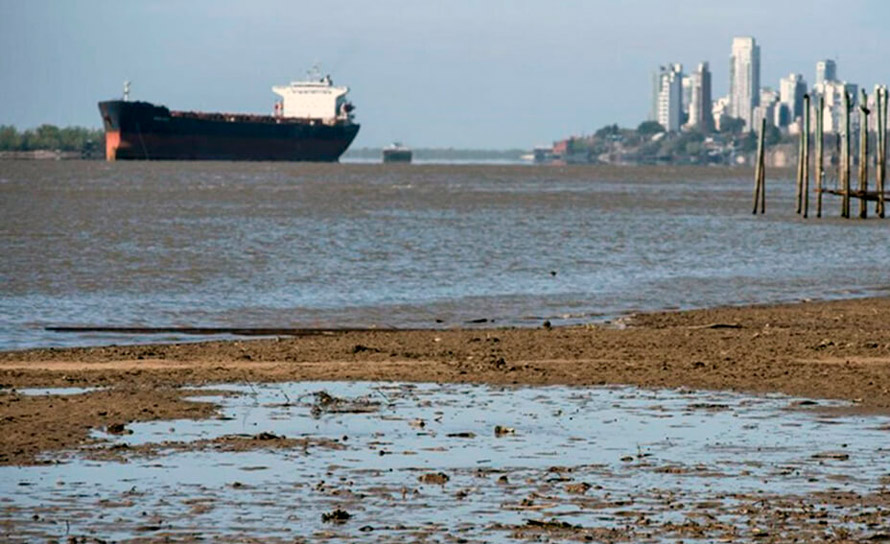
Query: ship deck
{"x": 254, "y": 118}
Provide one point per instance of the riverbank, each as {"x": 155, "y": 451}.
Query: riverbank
{"x": 821, "y": 350}
{"x": 45, "y": 154}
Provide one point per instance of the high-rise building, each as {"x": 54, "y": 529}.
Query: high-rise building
{"x": 744, "y": 79}
{"x": 719, "y": 111}
{"x": 668, "y": 97}
{"x": 832, "y": 93}
{"x": 782, "y": 115}
{"x": 700, "y": 108}
{"x": 826, "y": 70}
{"x": 831, "y": 90}
{"x": 769, "y": 102}
{"x": 686, "y": 97}
{"x": 791, "y": 91}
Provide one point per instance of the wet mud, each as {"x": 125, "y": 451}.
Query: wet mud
{"x": 764, "y": 424}
{"x": 604, "y": 464}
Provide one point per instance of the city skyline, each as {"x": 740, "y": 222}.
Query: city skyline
{"x": 682, "y": 102}
{"x": 485, "y": 76}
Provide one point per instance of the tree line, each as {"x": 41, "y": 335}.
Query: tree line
{"x": 51, "y": 138}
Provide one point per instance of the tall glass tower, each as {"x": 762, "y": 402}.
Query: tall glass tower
{"x": 744, "y": 79}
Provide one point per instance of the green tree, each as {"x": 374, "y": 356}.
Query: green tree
{"x": 690, "y": 142}
{"x": 47, "y": 137}
{"x": 773, "y": 135}
{"x": 731, "y": 125}
{"x": 647, "y": 128}
{"x": 27, "y": 141}
{"x": 608, "y": 130}
{"x": 749, "y": 142}
{"x": 10, "y": 140}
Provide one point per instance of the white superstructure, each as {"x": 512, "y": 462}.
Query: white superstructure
{"x": 313, "y": 99}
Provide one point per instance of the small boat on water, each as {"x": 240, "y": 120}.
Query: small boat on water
{"x": 397, "y": 153}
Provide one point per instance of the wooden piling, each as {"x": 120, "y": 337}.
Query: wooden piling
{"x": 884, "y": 149}
{"x": 879, "y": 97}
{"x": 758, "y": 168}
{"x": 839, "y": 157}
{"x": 798, "y": 193}
{"x": 881, "y": 167}
{"x": 820, "y": 168}
{"x": 806, "y": 155}
{"x": 845, "y": 181}
{"x": 863, "y": 154}
{"x": 763, "y": 174}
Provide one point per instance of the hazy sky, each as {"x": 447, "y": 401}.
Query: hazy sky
{"x": 458, "y": 73}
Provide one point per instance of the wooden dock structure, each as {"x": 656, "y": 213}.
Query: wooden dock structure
{"x": 844, "y": 187}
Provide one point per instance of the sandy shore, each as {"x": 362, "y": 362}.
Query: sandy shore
{"x": 836, "y": 350}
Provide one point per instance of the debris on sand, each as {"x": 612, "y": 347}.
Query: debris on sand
{"x": 717, "y": 326}
{"x": 834, "y": 455}
{"x": 325, "y": 403}
{"x": 579, "y": 488}
{"x": 117, "y": 428}
{"x": 359, "y": 348}
{"x": 224, "y": 443}
{"x": 336, "y": 516}
{"x": 434, "y": 478}
{"x": 500, "y": 430}
{"x": 709, "y": 406}
{"x": 551, "y": 525}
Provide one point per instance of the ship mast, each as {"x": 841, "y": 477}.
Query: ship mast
{"x": 314, "y": 73}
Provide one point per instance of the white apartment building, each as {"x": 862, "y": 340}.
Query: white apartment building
{"x": 791, "y": 91}
{"x": 700, "y": 115}
{"x": 669, "y": 97}
{"x": 744, "y": 79}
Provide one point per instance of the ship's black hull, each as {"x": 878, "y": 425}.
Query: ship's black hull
{"x": 143, "y": 131}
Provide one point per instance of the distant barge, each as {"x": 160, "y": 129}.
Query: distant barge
{"x": 313, "y": 122}
{"x": 397, "y": 153}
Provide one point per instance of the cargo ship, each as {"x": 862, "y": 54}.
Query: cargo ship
{"x": 313, "y": 121}
{"x": 397, "y": 153}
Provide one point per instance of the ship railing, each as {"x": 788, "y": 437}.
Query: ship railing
{"x": 253, "y": 118}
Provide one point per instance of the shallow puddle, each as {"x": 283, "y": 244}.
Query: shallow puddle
{"x": 407, "y": 462}
{"x": 45, "y": 391}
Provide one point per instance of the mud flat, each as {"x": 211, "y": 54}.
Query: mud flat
{"x": 406, "y": 462}
{"x": 763, "y": 424}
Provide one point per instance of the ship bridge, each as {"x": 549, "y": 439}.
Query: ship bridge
{"x": 314, "y": 99}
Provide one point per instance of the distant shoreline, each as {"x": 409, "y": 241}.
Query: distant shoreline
{"x": 441, "y": 153}
{"x": 45, "y": 155}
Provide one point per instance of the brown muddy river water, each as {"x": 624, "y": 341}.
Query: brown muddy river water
{"x": 359, "y": 245}
{"x": 390, "y": 462}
